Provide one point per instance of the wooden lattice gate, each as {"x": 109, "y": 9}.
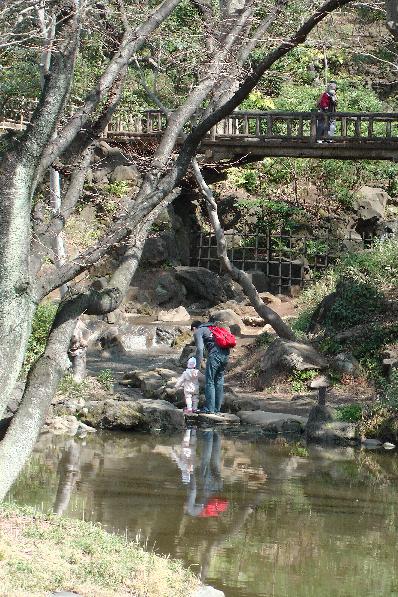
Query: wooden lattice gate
{"x": 277, "y": 260}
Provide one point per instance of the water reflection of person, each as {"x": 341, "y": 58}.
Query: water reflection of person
{"x": 210, "y": 480}
{"x": 205, "y": 501}
{"x": 185, "y": 455}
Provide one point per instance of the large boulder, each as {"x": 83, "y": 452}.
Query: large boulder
{"x": 153, "y": 384}
{"x": 283, "y": 357}
{"x": 201, "y": 284}
{"x": 259, "y": 280}
{"x": 169, "y": 289}
{"x": 346, "y": 363}
{"x": 370, "y": 204}
{"x": 273, "y": 422}
{"x": 229, "y": 318}
{"x": 114, "y": 414}
{"x": 214, "y": 419}
{"x": 128, "y": 172}
{"x": 160, "y": 415}
{"x": 160, "y": 248}
{"x": 112, "y": 163}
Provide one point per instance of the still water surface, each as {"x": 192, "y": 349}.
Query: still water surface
{"x": 253, "y": 519}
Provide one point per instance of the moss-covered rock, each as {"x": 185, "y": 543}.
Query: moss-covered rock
{"x": 114, "y": 414}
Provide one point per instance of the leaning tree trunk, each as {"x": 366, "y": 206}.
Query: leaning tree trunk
{"x": 238, "y": 275}
{"x": 16, "y": 301}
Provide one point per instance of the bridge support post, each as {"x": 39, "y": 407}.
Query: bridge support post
{"x": 313, "y": 125}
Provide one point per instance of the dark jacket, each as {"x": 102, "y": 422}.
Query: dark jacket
{"x": 203, "y": 339}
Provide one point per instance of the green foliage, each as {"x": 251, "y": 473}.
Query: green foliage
{"x": 357, "y": 301}
{"x": 316, "y": 247}
{"x": 118, "y": 188}
{"x": 42, "y": 322}
{"x": 72, "y": 389}
{"x": 257, "y": 101}
{"x": 105, "y": 377}
{"x": 300, "y": 379}
{"x": 264, "y": 339}
{"x": 391, "y": 394}
{"x": 380, "y": 419}
{"x": 244, "y": 178}
{"x": 351, "y": 413}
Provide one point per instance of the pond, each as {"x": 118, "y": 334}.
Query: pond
{"x": 251, "y": 518}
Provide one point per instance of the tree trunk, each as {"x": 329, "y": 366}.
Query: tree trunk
{"x": 17, "y": 305}
{"x": 239, "y": 276}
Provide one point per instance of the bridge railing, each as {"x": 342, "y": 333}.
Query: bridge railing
{"x": 289, "y": 126}
{"x": 349, "y": 126}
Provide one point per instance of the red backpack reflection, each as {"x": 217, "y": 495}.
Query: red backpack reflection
{"x": 214, "y": 507}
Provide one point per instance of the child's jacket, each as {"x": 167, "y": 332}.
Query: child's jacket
{"x": 189, "y": 380}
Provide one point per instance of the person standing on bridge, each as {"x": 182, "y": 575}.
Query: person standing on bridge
{"x": 326, "y": 125}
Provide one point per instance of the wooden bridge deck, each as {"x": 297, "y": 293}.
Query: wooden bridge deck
{"x": 252, "y": 135}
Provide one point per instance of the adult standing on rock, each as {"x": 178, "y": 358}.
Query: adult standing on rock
{"x": 217, "y": 359}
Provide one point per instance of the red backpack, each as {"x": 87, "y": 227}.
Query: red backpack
{"x": 222, "y": 337}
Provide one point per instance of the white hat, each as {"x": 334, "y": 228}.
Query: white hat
{"x": 191, "y": 363}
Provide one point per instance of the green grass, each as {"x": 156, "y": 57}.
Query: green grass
{"x": 80, "y": 557}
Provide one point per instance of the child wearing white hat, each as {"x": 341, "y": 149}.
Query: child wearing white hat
{"x": 189, "y": 381}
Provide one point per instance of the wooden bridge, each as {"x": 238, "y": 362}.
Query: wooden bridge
{"x": 252, "y": 135}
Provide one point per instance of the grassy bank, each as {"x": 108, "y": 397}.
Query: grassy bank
{"x": 362, "y": 315}
{"x": 41, "y": 553}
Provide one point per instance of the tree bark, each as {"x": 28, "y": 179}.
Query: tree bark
{"x": 17, "y": 183}
{"x": 238, "y": 275}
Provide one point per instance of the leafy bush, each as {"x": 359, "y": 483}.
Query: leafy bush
{"x": 105, "y": 377}
{"x": 297, "y": 449}
{"x": 361, "y": 276}
{"x": 72, "y": 389}
{"x": 299, "y": 379}
{"x": 264, "y": 339}
{"x": 349, "y": 412}
{"x": 356, "y": 302}
{"x": 42, "y": 322}
{"x": 117, "y": 188}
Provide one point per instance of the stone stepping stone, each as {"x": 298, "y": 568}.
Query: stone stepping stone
{"x": 273, "y": 422}
{"x": 216, "y": 419}
{"x": 371, "y": 444}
